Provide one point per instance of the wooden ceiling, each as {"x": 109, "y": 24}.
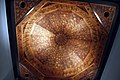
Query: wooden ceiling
{"x": 61, "y": 40}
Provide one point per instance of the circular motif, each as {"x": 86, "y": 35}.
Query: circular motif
{"x": 106, "y": 14}
{"x": 61, "y": 38}
{"x": 22, "y": 4}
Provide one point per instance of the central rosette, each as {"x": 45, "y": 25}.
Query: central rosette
{"x": 61, "y": 38}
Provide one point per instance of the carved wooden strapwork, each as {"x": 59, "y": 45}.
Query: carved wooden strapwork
{"x": 105, "y": 13}
{"x": 21, "y": 7}
{"x": 60, "y": 41}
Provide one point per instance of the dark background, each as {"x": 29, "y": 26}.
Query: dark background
{"x": 6, "y": 71}
{"x": 111, "y": 71}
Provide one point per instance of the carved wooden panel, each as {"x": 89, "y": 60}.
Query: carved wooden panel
{"x": 62, "y": 40}
{"x": 22, "y": 7}
{"x": 105, "y": 13}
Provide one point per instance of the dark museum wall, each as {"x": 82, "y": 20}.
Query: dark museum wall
{"x": 6, "y": 71}
{"x": 111, "y": 71}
